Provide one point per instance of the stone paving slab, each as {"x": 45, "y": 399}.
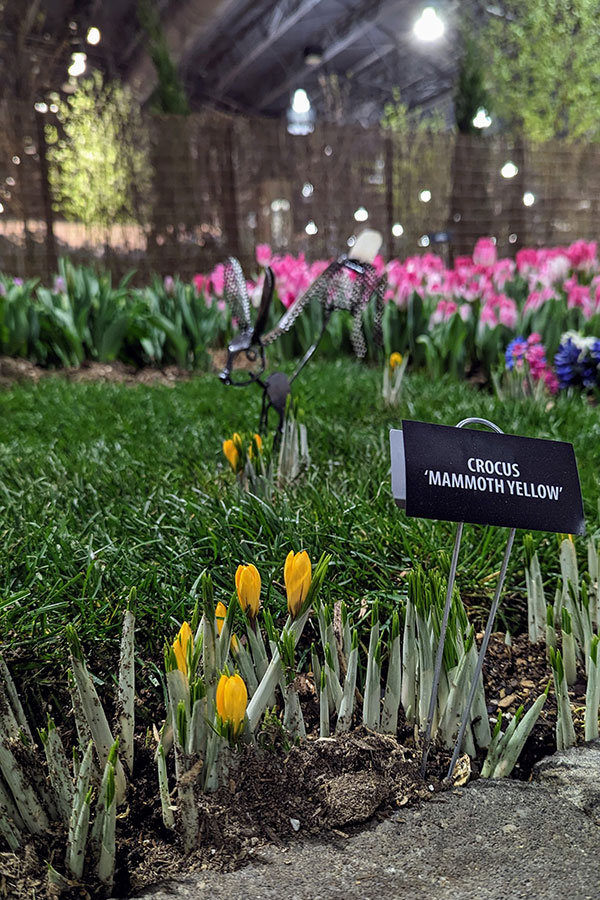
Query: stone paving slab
{"x": 491, "y": 840}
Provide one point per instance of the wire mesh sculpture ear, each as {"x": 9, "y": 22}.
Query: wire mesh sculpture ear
{"x": 236, "y": 294}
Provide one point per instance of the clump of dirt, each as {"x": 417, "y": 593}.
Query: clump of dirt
{"x": 277, "y": 796}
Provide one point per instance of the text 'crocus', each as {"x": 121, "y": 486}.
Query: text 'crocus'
{"x": 247, "y": 584}
{"x": 231, "y": 701}
{"x": 297, "y": 574}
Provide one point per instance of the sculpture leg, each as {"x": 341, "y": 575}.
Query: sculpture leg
{"x": 278, "y": 391}
{"x": 264, "y": 413}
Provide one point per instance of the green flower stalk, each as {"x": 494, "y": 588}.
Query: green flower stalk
{"x": 13, "y": 701}
{"x": 391, "y": 702}
{"x": 371, "y": 700}
{"x": 592, "y": 694}
{"x": 58, "y": 769}
{"x": 126, "y": 688}
{"x": 425, "y": 646}
{"x": 245, "y": 664}
{"x": 593, "y": 556}
{"x": 346, "y": 710}
{"x": 565, "y": 732}
{"x": 550, "y": 631}
{"x": 333, "y": 685}
{"x": 106, "y": 863}
{"x": 294, "y": 456}
{"x": 259, "y": 701}
{"x": 492, "y": 754}
{"x": 408, "y": 691}
{"x": 10, "y": 822}
{"x": 346, "y": 633}
{"x": 18, "y": 776}
{"x": 506, "y": 752}
{"x": 293, "y": 720}
{"x": 569, "y": 650}
{"x": 323, "y": 706}
{"x": 315, "y": 666}
{"x": 80, "y": 811}
{"x": 393, "y": 374}
{"x": 163, "y": 789}
{"x": 536, "y": 600}
{"x": 93, "y": 711}
{"x": 76, "y": 856}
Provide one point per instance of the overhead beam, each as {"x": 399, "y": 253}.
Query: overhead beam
{"x": 354, "y": 32}
{"x": 286, "y": 23}
{"x": 372, "y": 57}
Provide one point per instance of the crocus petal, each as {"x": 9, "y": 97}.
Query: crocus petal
{"x": 231, "y": 452}
{"x": 180, "y": 646}
{"x": 297, "y": 575}
{"x": 220, "y": 613}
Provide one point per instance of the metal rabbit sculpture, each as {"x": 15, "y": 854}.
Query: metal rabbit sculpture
{"x": 347, "y": 283}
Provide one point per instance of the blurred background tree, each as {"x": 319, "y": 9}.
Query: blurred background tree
{"x": 98, "y": 156}
{"x": 544, "y": 67}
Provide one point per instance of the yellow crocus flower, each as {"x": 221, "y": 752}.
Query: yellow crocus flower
{"x": 231, "y": 449}
{"x": 231, "y": 701}
{"x": 220, "y": 613}
{"x": 297, "y": 574}
{"x": 180, "y": 646}
{"x": 259, "y": 444}
{"x": 247, "y": 584}
{"x": 395, "y": 359}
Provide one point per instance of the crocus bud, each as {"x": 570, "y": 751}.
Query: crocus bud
{"x": 297, "y": 574}
{"x": 231, "y": 701}
{"x": 220, "y": 613}
{"x": 395, "y": 359}
{"x": 231, "y": 449}
{"x": 257, "y": 441}
{"x": 247, "y": 583}
{"x": 180, "y": 647}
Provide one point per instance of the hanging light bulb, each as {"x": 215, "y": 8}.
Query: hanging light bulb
{"x": 77, "y": 67}
{"x": 300, "y": 115}
{"x": 482, "y": 119}
{"x": 429, "y": 26}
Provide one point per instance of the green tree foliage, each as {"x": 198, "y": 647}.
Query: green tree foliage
{"x": 169, "y": 96}
{"x": 98, "y": 157}
{"x": 399, "y": 119}
{"x": 544, "y": 70}
{"x": 471, "y": 93}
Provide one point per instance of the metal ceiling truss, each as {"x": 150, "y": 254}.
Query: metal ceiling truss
{"x": 348, "y": 32}
{"x": 281, "y": 23}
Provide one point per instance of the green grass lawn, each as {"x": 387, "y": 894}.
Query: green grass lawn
{"x": 106, "y": 487}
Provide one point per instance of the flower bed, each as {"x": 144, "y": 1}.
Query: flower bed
{"x": 459, "y": 320}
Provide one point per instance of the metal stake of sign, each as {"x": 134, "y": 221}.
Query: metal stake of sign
{"x": 444, "y": 627}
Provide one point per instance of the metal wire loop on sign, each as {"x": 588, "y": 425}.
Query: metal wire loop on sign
{"x": 472, "y": 420}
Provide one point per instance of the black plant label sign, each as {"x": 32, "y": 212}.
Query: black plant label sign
{"x": 462, "y": 475}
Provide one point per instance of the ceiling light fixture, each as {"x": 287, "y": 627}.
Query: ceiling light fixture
{"x": 313, "y": 56}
